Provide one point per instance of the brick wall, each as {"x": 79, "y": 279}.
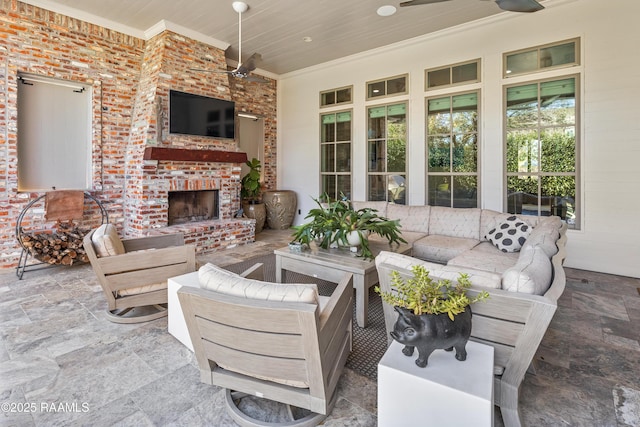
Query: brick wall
{"x": 131, "y": 79}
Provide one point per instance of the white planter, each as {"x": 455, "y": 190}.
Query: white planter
{"x": 353, "y": 240}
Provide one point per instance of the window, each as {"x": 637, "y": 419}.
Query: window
{"x": 387, "y": 87}
{"x": 387, "y": 153}
{"x": 336, "y": 96}
{"x": 54, "y": 134}
{"x": 452, "y": 75}
{"x": 560, "y": 54}
{"x": 335, "y": 154}
{"x": 542, "y": 149}
{"x": 452, "y": 150}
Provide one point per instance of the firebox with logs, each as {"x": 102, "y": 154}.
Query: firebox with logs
{"x": 57, "y": 238}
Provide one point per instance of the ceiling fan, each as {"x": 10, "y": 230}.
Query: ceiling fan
{"x": 244, "y": 69}
{"x": 508, "y": 5}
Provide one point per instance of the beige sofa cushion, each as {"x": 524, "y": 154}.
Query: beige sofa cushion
{"x": 478, "y": 278}
{"x": 545, "y": 235}
{"x": 485, "y": 256}
{"x": 381, "y": 207}
{"x": 441, "y": 248}
{"x": 219, "y": 280}
{"x": 412, "y": 218}
{"x": 455, "y": 222}
{"x": 106, "y": 241}
{"x": 531, "y": 274}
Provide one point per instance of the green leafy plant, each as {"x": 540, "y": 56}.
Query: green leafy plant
{"x": 424, "y": 295}
{"x": 332, "y": 221}
{"x": 251, "y": 181}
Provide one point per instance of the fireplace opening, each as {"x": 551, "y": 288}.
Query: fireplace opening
{"x": 192, "y": 206}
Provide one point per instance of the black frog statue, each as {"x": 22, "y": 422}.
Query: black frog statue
{"x": 428, "y": 332}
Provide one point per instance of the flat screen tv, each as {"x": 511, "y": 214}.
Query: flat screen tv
{"x": 198, "y": 115}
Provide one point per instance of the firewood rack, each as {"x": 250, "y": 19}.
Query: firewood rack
{"x": 29, "y": 211}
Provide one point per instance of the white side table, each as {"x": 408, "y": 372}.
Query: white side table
{"x": 446, "y": 392}
{"x": 177, "y": 325}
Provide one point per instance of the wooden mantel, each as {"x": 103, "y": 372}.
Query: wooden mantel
{"x": 189, "y": 155}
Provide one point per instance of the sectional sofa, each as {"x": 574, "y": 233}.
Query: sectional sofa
{"x": 517, "y": 259}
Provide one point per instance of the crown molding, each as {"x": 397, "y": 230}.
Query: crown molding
{"x": 165, "y": 25}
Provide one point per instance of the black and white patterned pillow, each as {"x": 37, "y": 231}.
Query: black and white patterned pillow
{"x": 509, "y": 235}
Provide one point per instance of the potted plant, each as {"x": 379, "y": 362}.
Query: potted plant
{"x": 250, "y": 193}
{"x": 432, "y": 314}
{"x": 337, "y": 223}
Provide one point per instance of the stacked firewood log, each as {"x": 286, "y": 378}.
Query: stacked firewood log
{"x": 60, "y": 246}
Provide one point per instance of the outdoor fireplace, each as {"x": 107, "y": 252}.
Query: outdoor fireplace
{"x": 192, "y": 206}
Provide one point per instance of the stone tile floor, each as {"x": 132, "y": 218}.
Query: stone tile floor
{"x": 63, "y": 363}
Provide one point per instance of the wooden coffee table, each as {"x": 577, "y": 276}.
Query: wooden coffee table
{"x": 331, "y": 264}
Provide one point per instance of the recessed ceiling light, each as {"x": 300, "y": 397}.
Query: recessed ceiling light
{"x": 307, "y": 39}
{"x": 386, "y": 10}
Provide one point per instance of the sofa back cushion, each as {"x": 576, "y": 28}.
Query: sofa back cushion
{"x": 455, "y": 222}
{"x": 106, "y": 241}
{"x": 532, "y": 273}
{"x": 545, "y": 235}
{"x": 216, "y": 279}
{"x": 412, "y": 218}
{"x": 381, "y": 207}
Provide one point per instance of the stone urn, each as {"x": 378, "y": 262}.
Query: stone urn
{"x": 255, "y": 211}
{"x": 428, "y": 332}
{"x": 281, "y": 208}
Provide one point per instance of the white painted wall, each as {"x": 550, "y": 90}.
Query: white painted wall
{"x": 609, "y": 238}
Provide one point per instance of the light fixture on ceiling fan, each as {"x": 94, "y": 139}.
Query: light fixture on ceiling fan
{"x": 243, "y": 70}
{"x": 526, "y": 6}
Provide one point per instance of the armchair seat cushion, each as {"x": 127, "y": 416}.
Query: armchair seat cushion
{"x": 219, "y": 280}
{"x": 141, "y": 289}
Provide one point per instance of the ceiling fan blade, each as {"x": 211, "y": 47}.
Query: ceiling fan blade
{"x": 250, "y": 64}
{"x": 256, "y": 79}
{"x": 419, "y": 2}
{"x": 210, "y": 71}
{"x": 527, "y": 6}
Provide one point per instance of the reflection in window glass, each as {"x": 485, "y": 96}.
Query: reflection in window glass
{"x": 376, "y": 89}
{"x": 387, "y": 87}
{"x": 464, "y": 73}
{"x": 335, "y": 96}
{"x": 386, "y": 152}
{"x": 542, "y": 57}
{"x": 335, "y": 153}
{"x": 541, "y": 149}
{"x": 396, "y": 86}
{"x": 452, "y": 150}
{"x": 453, "y": 75}
{"x": 438, "y": 78}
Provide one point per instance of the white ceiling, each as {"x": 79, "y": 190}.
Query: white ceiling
{"x": 276, "y": 28}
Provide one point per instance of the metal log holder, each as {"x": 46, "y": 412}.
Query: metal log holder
{"x": 23, "y": 262}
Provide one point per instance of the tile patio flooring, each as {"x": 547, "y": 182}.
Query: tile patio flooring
{"x": 62, "y": 359}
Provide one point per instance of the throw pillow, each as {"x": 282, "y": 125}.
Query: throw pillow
{"x": 509, "y": 235}
{"x": 106, "y": 241}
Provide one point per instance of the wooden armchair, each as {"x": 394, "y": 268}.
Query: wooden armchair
{"x": 133, "y": 273}
{"x": 277, "y": 341}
